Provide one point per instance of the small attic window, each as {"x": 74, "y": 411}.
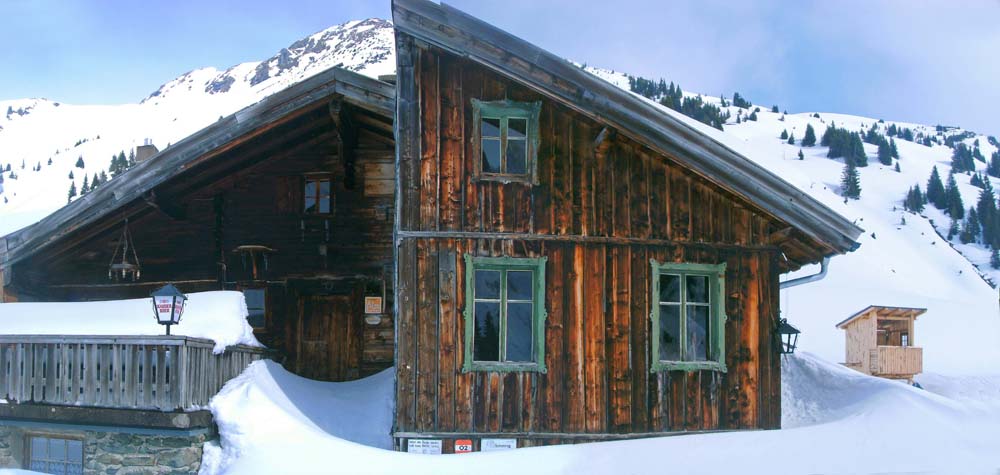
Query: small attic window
{"x": 507, "y": 138}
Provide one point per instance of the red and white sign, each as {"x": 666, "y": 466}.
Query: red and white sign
{"x": 373, "y": 305}
{"x": 463, "y": 446}
{"x": 165, "y": 308}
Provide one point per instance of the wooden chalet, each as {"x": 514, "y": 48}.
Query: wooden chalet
{"x": 575, "y": 263}
{"x": 558, "y": 260}
{"x": 880, "y": 342}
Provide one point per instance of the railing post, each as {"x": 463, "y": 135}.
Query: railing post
{"x": 181, "y": 373}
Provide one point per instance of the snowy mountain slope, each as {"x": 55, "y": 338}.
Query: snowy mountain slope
{"x": 897, "y": 264}
{"x": 34, "y": 131}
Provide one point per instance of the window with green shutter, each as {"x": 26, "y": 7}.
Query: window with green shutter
{"x": 688, "y": 317}
{"x": 506, "y": 134}
{"x": 504, "y": 314}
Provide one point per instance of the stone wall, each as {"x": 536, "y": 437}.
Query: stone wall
{"x": 114, "y": 453}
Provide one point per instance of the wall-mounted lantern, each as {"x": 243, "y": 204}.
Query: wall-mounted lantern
{"x": 168, "y": 305}
{"x": 786, "y": 336}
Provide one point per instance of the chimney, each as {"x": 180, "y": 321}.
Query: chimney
{"x": 146, "y": 150}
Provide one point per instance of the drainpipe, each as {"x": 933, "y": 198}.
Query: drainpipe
{"x": 823, "y": 267}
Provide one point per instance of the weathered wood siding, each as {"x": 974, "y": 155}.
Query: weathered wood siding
{"x": 599, "y": 214}
{"x": 252, "y": 194}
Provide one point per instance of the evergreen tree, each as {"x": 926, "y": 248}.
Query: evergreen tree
{"x": 986, "y": 210}
{"x": 85, "y": 188}
{"x": 131, "y": 153}
{"x": 892, "y": 148}
{"x": 995, "y": 259}
{"x": 884, "y": 153}
{"x": 892, "y": 130}
{"x": 79, "y": 162}
{"x": 72, "y": 192}
{"x": 851, "y": 182}
{"x": 935, "y": 190}
{"x": 50, "y": 161}
{"x": 956, "y": 209}
{"x": 71, "y": 174}
{"x": 897, "y": 167}
{"x": 801, "y": 155}
{"x": 810, "y": 138}
{"x": 976, "y": 181}
{"x": 970, "y": 228}
{"x": 828, "y": 134}
{"x": 774, "y": 109}
{"x": 791, "y": 139}
{"x": 22, "y": 164}
{"x": 872, "y": 136}
{"x": 961, "y": 159}
{"x": 993, "y": 169}
{"x": 784, "y": 134}
{"x": 104, "y": 177}
{"x": 914, "y": 200}
{"x": 953, "y": 230}
{"x": 753, "y": 116}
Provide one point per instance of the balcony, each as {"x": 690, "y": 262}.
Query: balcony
{"x": 896, "y": 361}
{"x": 163, "y": 373}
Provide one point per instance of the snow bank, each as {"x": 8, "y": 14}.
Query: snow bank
{"x": 218, "y": 316}
{"x": 837, "y": 421}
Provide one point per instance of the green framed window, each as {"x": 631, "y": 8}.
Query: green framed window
{"x": 506, "y": 133}
{"x": 504, "y": 314}
{"x": 688, "y": 317}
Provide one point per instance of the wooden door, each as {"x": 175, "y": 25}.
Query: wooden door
{"x": 330, "y": 338}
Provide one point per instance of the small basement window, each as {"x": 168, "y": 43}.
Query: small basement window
{"x": 256, "y": 307}
{"x": 504, "y": 314}
{"x": 688, "y": 317}
{"x": 55, "y": 455}
{"x": 318, "y": 194}
{"x": 507, "y": 133}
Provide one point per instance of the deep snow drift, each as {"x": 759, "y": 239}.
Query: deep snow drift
{"x": 836, "y": 421}
{"x": 219, "y": 316}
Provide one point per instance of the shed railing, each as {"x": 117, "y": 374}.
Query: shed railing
{"x": 164, "y": 373}
{"x": 897, "y": 360}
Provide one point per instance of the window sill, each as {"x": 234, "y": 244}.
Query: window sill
{"x": 689, "y": 366}
{"x": 479, "y": 366}
{"x": 501, "y": 178}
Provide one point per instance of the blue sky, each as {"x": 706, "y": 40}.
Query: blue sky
{"x": 930, "y": 62}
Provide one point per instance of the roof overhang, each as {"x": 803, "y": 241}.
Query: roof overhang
{"x": 463, "y": 35}
{"x": 375, "y": 96}
{"x": 884, "y": 311}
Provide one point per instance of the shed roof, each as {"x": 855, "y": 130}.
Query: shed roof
{"x": 885, "y": 312}
{"x": 463, "y": 35}
{"x": 358, "y": 90}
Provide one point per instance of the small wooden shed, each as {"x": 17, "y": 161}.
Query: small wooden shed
{"x": 880, "y": 342}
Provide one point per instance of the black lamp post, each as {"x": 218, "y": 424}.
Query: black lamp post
{"x": 168, "y": 305}
{"x": 787, "y": 337}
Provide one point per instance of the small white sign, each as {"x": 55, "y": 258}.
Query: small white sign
{"x": 424, "y": 446}
{"x": 373, "y": 305}
{"x": 494, "y": 445}
{"x": 463, "y": 446}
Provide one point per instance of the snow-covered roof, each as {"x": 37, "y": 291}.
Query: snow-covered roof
{"x": 825, "y": 232}
{"x": 219, "y": 316}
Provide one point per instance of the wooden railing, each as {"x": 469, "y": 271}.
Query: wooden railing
{"x": 136, "y": 372}
{"x": 897, "y": 360}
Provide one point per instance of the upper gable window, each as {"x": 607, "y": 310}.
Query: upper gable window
{"x": 507, "y": 133}
{"x": 318, "y": 196}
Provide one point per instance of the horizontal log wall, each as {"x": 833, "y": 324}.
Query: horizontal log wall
{"x": 600, "y": 212}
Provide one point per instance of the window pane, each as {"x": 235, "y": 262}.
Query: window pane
{"x": 57, "y": 449}
{"x": 519, "y": 285}
{"x": 75, "y": 448}
{"x": 670, "y": 332}
{"x": 310, "y": 196}
{"x": 490, "y": 127}
{"x": 697, "y": 288}
{"x": 324, "y": 188}
{"x": 517, "y": 157}
{"x": 697, "y": 333}
{"x": 670, "y": 288}
{"x": 486, "y": 343}
{"x": 491, "y": 155}
{"x": 519, "y": 331}
{"x": 324, "y": 204}
{"x": 487, "y": 284}
{"x": 39, "y": 448}
{"x": 517, "y": 128}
